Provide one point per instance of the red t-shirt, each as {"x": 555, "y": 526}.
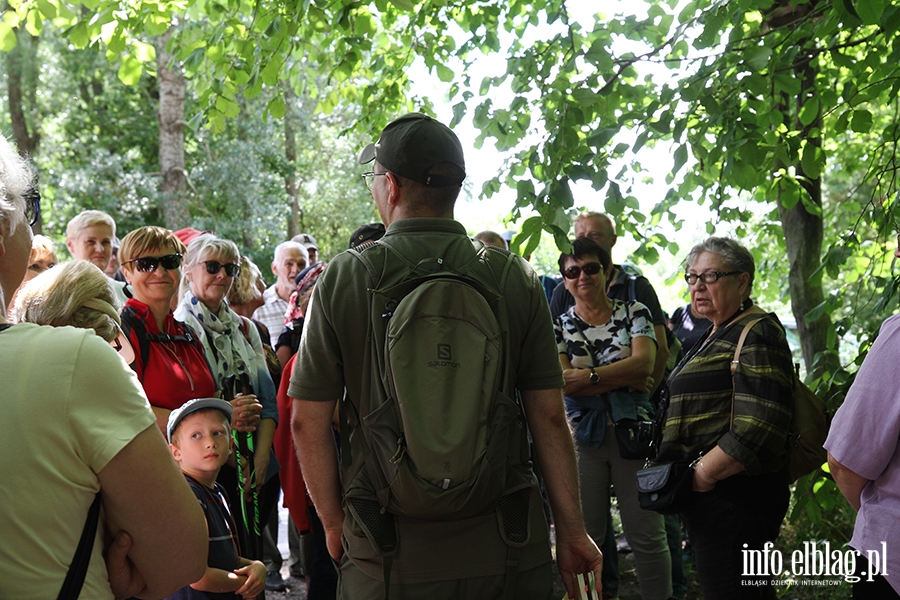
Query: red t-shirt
{"x": 176, "y": 370}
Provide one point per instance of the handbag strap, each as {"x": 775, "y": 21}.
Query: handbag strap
{"x": 71, "y": 587}
{"x": 737, "y": 357}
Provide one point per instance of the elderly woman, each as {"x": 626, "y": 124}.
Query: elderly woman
{"x": 76, "y": 433}
{"x": 737, "y": 424}
{"x": 607, "y": 349}
{"x": 169, "y": 359}
{"x": 232, "y": 346}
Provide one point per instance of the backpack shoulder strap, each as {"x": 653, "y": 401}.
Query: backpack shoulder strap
{"x": 631, "y": 283}
{"x": 130, "y": 321}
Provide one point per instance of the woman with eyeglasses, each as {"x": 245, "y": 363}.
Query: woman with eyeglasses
{"x": 169, "y": 359}
{"x": 77, "y": 436}
{"x": 737, "y": 424}
{"x": 607, "y": 349}
{"x": 234, "y": 350}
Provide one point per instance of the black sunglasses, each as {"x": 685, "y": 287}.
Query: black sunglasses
{"x": 148, "y": 264}
{"x": 214, "y": 266}
{"x": 575, "y": 272}
{"x": 32, "y": 206}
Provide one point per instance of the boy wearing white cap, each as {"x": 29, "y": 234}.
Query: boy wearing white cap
{"x": 199, "y": 435}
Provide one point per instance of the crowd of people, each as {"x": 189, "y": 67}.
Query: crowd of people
{"x": 177, "y": 349}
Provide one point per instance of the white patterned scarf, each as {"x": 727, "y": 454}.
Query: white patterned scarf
{"x": 228, "y": 349}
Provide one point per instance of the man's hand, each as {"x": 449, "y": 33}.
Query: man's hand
{"x": 579, "y": 555}
{"x": 333, "y": 542}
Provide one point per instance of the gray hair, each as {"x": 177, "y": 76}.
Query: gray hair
{"x": 16, "y": 178}
{"x": 290, "y": 244}
{"x": 736, "y": 256}
{"x": 76, "y": 293}
{"x": 89, "y": 218}
{"x": 204, "y": 245}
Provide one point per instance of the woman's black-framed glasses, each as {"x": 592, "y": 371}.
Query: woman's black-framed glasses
{"x": 148, "y": 264}
{"x": 214, "y": 266}
{"x": 369, "y": 177}
{"x": 32, "y": 206}
{"x": 708, "y": 277}
{"x": 575, "y": 272}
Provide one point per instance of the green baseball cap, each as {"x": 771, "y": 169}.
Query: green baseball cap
{"x": 411, "y": 145}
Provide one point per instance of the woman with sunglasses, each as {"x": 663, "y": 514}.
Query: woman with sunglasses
{"x": 169, "y": 358}
{"x": 607, "y": 349}
{"x": 233, "y": 348}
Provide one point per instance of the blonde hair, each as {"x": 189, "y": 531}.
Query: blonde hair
{"x": 245, "y": 288}
{"x": 76, "y": 293}
{"x": 16, "y": 179}
{"x": 147, "y": 239}
{"x": 42, "y": 248}
{"x": 89, "y": 218}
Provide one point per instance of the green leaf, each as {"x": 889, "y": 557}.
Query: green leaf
{"x": 681, "y": 156}
{"x": 403, "y": 5}
{"x": 870, "y": 11}
{"x": 862, "y": 121}
{"x": 78, "y": 35}
{"x": 812, "y": 161}
{"x": 130, "y": 70}
{"x": 758, "y": 57}
{"x": 231, "y": 109}
{"x": 47, "y": 8}
{"x": 810, "y": 110}
{"x": 276, "y": 107}
{"x": 445, "y": 74}
{"x": 7, "y": 37}
{"x": 744, "y": 175}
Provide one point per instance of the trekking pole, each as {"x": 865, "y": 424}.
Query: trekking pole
{"x": 247, "y": 447}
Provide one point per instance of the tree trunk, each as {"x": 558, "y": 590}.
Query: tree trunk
{"x": 290, "y": 152}
{"x": 21, "y": 88}
{"x": 171, "y": 137}
{"x": 803, "y": 234}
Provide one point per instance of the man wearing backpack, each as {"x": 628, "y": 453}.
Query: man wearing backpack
{"x": 395, "y": 524}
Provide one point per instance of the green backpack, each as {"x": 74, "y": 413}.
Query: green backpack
{"x": 442, "y": 430}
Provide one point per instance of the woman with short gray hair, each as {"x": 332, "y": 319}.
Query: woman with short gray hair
{"x": 734, "y": 425}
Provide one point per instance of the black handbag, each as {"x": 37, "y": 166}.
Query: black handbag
{"x": 633, "y": 438}
{"x": 666, "y": 488}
